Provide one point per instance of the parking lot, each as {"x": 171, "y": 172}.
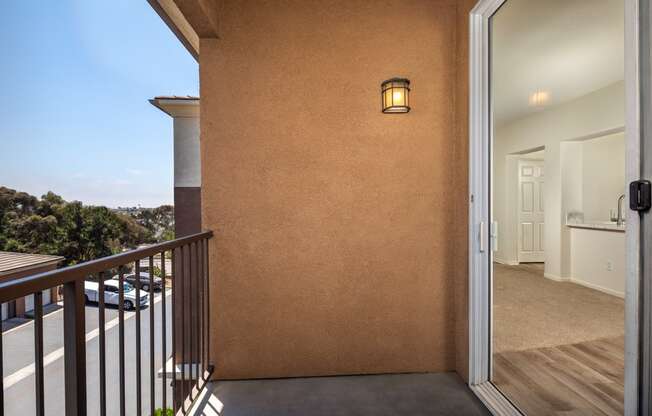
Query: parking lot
{"x": 18, "y": 371}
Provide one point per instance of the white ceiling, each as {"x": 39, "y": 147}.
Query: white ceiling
{"x": 568, "y": 48}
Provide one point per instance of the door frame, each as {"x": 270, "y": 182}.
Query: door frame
{"x": 482, "y": 235}
{"x": 636, "y": 24}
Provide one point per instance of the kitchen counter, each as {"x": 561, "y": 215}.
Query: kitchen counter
{"x": 597, "y": 225}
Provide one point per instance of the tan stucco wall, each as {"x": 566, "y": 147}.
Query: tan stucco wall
{"x": 338, "y": 232}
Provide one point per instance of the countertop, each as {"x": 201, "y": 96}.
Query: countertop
{"x": 598, "y": 225}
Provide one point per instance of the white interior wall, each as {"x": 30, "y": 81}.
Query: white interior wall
{"x": 599, "y": 260}
{"x": 591, "y": 115}
{"x": 604, "y": 176}
{"x": 572, "y": 162}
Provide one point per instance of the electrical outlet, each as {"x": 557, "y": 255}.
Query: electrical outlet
{"x": 610, "y": 266}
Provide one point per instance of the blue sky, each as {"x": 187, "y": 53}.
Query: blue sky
{"x": 75, "y": 77}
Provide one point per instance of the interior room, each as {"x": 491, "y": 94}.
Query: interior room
{"x": 558, "y": 201}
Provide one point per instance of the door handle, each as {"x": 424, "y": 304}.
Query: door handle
{"x": 494, "y": 236}
{"x": 482, "y": 237}
{"x": 640, "y": 195}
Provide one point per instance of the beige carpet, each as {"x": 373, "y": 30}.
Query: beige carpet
{"x": 531, "y": 311}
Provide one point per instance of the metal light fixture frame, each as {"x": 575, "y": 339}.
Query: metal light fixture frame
{"x": 387, "y": 99}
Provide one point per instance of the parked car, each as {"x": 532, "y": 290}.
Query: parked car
{"x": 112, "y": 294}
{"x": 145, "y": 281}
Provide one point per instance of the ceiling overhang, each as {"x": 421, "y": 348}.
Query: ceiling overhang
{"x": 189, "y": 20}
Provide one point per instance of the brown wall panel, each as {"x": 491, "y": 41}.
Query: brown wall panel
{"x": 187, "y": 211}
{"x": 337, "y": 228}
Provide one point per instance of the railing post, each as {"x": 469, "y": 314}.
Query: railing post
{"x": 38, "y": 354}
{"x": 74, "y": 348}
{"x": 175, "y": 311}
{"x": 208, "y": 303}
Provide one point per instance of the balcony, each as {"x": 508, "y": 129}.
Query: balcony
{"x": 167, "y": 365}
{"x": 121, "y": 378}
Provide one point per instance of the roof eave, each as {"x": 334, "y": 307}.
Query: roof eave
{"x": 178, "y": 24}
{"x": 20, "y": 269}
{"x": 177, "y": 106}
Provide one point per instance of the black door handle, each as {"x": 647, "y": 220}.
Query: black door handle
{"x": 640, "y": 195}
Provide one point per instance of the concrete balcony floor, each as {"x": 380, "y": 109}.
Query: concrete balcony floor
{"x": 442, "y": 394}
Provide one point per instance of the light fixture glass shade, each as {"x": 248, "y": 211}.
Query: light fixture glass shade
{"x": 539, "y": 98}
{"x": 395, "y": 94}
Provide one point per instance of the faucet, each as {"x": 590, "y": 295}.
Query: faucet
{"x": 620, "y": 220}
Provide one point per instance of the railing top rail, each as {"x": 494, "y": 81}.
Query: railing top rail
{"x": 27, "y": 285}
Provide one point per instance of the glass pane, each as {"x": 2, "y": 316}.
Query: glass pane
{"x": 388, "y": 98}
{"x": 558, "y": 180}
{"x": 398, "y": 96}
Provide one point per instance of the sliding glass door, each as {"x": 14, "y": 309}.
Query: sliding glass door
{"x": 557, "y": 204}
{"x": 555, "y": 313}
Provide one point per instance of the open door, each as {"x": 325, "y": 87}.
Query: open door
{"x": 486, "y": 153}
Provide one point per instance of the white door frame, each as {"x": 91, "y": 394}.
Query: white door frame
{"x": 635, "y": 403}
{"x": 481, "y": 235}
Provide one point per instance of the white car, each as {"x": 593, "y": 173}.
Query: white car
{"x": 112, "y": 294}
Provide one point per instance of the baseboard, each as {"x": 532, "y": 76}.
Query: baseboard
{"x": 599, "y": 288}
{"x": 585, "y": 284}
{"x": 506, "y": 262}
{"x": 556, "y": 278}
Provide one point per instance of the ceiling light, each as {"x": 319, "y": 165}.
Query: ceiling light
{"x": 539, "y": 98}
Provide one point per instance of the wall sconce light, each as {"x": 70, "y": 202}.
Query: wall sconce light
{"x": 396, "y": 95}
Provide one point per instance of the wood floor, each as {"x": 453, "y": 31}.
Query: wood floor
{"x": 579, "y": 379}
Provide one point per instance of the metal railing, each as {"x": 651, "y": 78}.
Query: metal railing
{"x": 188, "y": 364}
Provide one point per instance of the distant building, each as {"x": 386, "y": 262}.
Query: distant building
{"x": 187, "y": 162}
{"x": 17, "y": 265}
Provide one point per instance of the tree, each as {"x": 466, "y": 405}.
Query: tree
{"x": 69, "y": 229}
{"x": 159, "y": 221}
{"x": 133, "y": 233}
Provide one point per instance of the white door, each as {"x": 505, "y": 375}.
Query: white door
{"x": 530, "y": 211}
